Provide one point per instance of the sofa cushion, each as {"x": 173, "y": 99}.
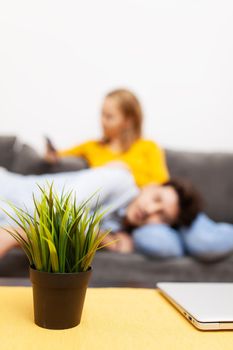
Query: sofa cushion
{"x": 211, "y": 173}
{"x": 133, "y": 270}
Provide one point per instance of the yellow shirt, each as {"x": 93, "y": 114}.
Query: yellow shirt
{"x": 144, "y": 158}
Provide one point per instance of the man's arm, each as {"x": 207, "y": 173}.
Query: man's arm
{"x": 120, "y": 242}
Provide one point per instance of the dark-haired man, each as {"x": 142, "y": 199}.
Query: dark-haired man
{"x": 154, "y": 209}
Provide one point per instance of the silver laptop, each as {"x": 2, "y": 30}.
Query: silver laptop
{"x": 208, "y": 306}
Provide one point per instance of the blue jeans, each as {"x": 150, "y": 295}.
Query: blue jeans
{"x": 205, "y": 240}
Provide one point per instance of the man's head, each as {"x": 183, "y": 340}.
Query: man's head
{"x": 175, "y": 203}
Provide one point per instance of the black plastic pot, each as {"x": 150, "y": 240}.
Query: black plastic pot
{"x": 58, "y": 298}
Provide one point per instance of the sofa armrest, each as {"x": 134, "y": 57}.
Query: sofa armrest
{"x": 7, "y": 151}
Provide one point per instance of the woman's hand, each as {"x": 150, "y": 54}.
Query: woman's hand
{"x": 50, "y": 156}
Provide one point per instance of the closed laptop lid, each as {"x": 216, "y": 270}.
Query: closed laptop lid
{"x": 207, "y": 302}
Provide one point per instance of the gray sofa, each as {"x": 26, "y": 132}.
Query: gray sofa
{"x": 211, "y": 173}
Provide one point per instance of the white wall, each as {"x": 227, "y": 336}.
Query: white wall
{"x": 58, "y": 59}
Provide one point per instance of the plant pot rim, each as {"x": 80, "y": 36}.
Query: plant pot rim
{"x": 90, "y": 269}
{"x": 58, "y": 280}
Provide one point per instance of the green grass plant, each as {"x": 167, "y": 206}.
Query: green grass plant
{"x": 60, "y": 236}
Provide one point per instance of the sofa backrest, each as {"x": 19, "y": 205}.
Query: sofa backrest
{"x": 212, "y": 175}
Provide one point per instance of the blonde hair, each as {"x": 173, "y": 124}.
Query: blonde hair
{"x": 130, "y": 107}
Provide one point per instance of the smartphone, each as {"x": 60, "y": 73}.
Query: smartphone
{"x": 50, "y": 145}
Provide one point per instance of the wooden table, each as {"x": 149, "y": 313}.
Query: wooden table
{"x": 113, "y": 318}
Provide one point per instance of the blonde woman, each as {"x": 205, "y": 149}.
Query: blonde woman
{"x": 122, "y": 142}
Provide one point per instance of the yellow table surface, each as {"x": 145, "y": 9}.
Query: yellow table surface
{"x": 113, "y": 318}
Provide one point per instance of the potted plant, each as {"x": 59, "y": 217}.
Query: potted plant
{"x": 60, "y": 240}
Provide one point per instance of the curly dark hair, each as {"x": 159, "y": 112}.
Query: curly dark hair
{"x": 190, "y": 201}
